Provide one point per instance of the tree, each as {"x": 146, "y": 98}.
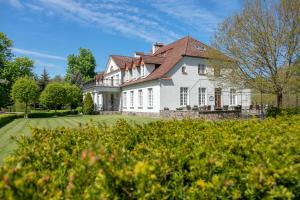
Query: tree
{"x": 88, "y": 105}
{"x": 81, "y": 68}
{"x": 5, "y": 49}
{"x": 25, "y": 90}
{"x": 74, "y": 95}
{"x": 263, "y": 42}
{"x": 43, "y": 80}
{"x": 53, "y": 96}
{"x": 10, "y": 72}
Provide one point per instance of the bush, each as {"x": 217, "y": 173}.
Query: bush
{"x": 273, "y": 111}
{"x": 88, "y": 105}
{"x": 52, "y": 114}
{"x": 7, "y": 118}
{"x": 187, "y": 159}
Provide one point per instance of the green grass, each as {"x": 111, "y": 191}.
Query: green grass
{"x": 22, "y": 127}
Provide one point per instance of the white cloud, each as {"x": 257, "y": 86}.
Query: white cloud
{"x": 188, "y": 12}
{"x": 37, "y": 54}
{"x": 122, "y": 18}
{"x": 15, "y": 3}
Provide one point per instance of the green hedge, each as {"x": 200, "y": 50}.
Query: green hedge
{"x": 274, "y": 111}
{"x": 187, "y": 159}
{"x": 52, "y": 114}
{"x": 7, "y": 118}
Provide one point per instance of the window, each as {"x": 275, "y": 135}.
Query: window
{"x": 233, "y": 96}
{"x": 183, "y": 69}
{"x": 201, "y": 69}
{"x": 202, "y": 96}
{"x": 150, "y": 97}
{"x": 142, "y": 70}
{"x": 118, "y": 79}
{"x": 140, "y": 98}
{"x": 124, "y": 99}
{"x": 183, "y": 96}
{"x": 130, "y": 74}
{"x": 131, "y": 98}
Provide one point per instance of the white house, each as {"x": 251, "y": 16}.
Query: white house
{"x": 171, "y": 77}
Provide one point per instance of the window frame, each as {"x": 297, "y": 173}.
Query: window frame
{"x": 124, "y": 99}
{"x": 184, "y": 96}
{"x": 233, "y": 97}
{"x": 132, "y": 99}
{"x": 201, "y": 69}
{"x": 150, "y": 98}
{"x": 183, "y": 70}
{"x": 202, "y": 96}
{"x": 140, "y": 98}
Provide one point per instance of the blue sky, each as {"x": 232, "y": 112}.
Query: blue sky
{"x": 48, "y": 31}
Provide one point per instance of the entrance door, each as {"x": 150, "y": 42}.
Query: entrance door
{"x": 217, "y": 97}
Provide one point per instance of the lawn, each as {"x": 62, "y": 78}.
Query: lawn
{"x": 22, "y": 126}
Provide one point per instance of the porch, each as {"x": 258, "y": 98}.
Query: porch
{"x": 105, "y": 94}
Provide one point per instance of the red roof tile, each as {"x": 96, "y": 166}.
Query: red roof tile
{"x": 168, "y": 56}
{"x": 121, "y": 60}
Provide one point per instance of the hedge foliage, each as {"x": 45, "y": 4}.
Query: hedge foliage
{"x": 188, "y": 159}
{"x": 274, "y": 111}
{"x": 7, "y": 118}
{"x": 52, "y": 114}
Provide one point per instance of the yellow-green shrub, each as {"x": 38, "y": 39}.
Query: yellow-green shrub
{"x": 188, "y": 159}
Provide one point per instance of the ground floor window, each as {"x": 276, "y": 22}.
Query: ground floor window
{"x": 183, "y": 96}
{"x": 150, "y": 97}
{"x": 233, "y": 97}
{"x": 124, "y": 99}
{"x": 140, "y": 98}
{"x": 202, "y": 96}
{"x": 131, "y": 98}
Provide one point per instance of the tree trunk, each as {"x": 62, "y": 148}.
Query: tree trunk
{"x": 279, "y": 96}
{"x": 25, "y": 116}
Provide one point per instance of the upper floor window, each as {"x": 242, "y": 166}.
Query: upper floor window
{"x": 184, "y": 96}
{"x": 130, "y": 74}
{"x": 201, "y": 69}
{"x": 142, "y": 70}
{"x": 233, "y": 97}
{"x": 183, "y": 70}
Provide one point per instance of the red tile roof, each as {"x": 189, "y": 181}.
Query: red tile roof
{"x": 121, "y": 60}
{"x": 168, "y": 56}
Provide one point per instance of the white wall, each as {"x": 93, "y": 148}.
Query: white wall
{"x": 170, "y": 89}
{"x": 144, "y": 87}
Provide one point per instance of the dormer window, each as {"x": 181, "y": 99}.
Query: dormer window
{"x": 183, "y": 70}
{"x": 200, "y": 48}
{"x": 201, "y": 69}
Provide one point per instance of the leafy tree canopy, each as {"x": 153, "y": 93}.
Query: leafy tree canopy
{"x": 264, "y": 42}
{"x": 25, "y": 90}
{"x": 54, "y": 95}
{"x": 74, "y": 95}
{"x": 81, "y": 67}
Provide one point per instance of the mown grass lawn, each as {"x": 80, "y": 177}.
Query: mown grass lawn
{"x": 22, "y": 127}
